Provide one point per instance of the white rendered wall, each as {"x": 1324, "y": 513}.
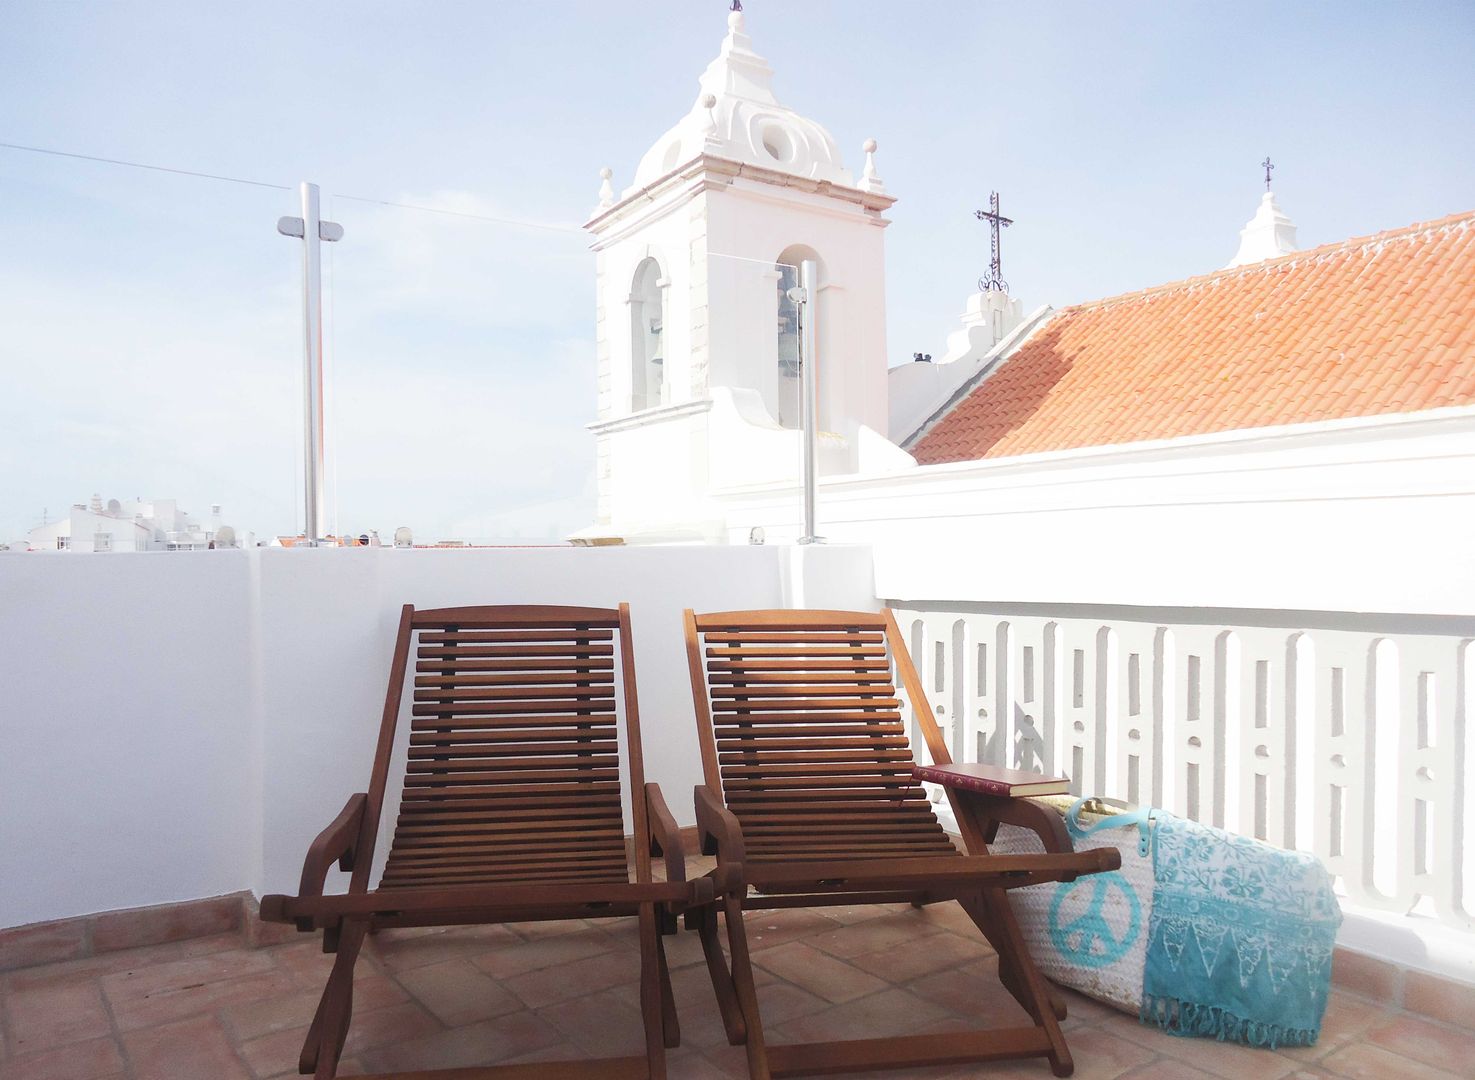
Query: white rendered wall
{"x": 1357, "y": 515}
{"x": 127, "y": 731}
{"x": 180, "y": 725}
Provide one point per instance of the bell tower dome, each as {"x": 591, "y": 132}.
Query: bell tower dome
{"x": 698, "y": 375}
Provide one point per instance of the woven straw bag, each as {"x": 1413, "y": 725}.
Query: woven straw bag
{"x": 1091, "y": 933}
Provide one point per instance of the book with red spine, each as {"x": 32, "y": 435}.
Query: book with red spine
{"x": 992, "y": 780}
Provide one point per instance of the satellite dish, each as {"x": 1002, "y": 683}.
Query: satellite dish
{"x": 225, "y": 537}
{"x": 403, "y": 538}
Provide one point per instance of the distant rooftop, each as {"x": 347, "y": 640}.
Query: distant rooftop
{"x": 1373, "y": 325}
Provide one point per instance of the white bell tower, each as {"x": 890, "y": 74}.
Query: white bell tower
{"x": 698, "y": 381}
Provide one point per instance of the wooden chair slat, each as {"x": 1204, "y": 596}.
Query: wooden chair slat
{"x": 816, "y": 652}
{"x": 571, "y": 763}
{"x": 721, "y": 720}
{"x": 492, "y": 637}
{"x": 516, "y": 663}
{"x": 847, "y": 706}
{"x": 801, "y": 691}
{"x": 792, "y": 637}
{"x": 439, "y": 746}
{"x": 737, "y": 745}
{"x": 513, "y": 708}
{"x": 526, "y": 678}
{"x": 589, "y": 721}
{"x": 771, "y": 665}
{"x": 793, "y": 678}
{"x": 455, "y": 652}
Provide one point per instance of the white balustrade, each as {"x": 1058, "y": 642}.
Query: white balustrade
{"x": 1345, "y": 735}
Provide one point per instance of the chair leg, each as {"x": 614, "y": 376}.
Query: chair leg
{"x": 652, "y": 1003}
{"x": 1035, "y": 990}
{"x": 747, "y": 992}
{"x": 670, "y": 1022}
{"x": 727, "y": 1003}
{"x": 329, "y": 1028}
{"x": 1009, "y": 974}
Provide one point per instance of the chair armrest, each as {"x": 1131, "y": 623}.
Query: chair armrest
{"x": 720, "y": 831}
{"x": 665, "y": 835}
{"x": 990, "y": 811}
{"x": 335, "y": 843}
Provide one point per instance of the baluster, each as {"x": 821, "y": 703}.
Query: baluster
{"x": 1201, "y": 659}
{"x": 1432, "y": 736}
{"x": 1135, "y": 727}
{"x": 1264, "y": 740}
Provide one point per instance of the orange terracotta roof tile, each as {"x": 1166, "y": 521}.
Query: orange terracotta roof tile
{"x": 1378, "y": 324}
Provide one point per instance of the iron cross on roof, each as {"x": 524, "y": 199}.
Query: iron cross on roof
{"x": 1268, "y": 169}
{"x": 996, "y": 220}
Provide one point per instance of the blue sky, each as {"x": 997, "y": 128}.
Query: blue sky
{"x": 149, "y": 323}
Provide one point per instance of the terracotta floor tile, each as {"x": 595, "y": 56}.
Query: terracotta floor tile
{"x": 858, "y": 913}
{"x": 90, "y": 1060}
{"x": 396, "y": 952}
{"x": 535, "y": 931}
{"x": 950, "y": 916}
{"x": 1167, "y": 1069}
{"x": 271, "y": 1054}
{"x": 137, "y": 1007}
{"x": 516, "y": 958}
{"x": 1348, "y": 1018}
{"x": 683, "y": 949}
{"x": 197, "y": 1047}
{"x": 599, "y": 1025}
{"x": 1363, "y": 1061}
{"x": 907, "y": 960}
{"x": 1231, "y": 1061}
{"x": 458, "y": 993}
{"x": 820, "y": 974}
{"x": 766, "y": 929}
{"x": 51, "y": 1016}
{"x": 1435, "y": 1044}
{"x": 891, "y": 1012}
{"x": 253, "y": 1019}
{"x": 553, "y": 984}
{"x": 486, "y": 1043}
{"x": 875, "y": 934}
{"x": 973, "y": 991}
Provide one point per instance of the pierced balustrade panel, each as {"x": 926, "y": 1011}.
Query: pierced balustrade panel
{"x": 1351, "y": 743}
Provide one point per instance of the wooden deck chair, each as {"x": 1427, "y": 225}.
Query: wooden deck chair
{"x": 809, "y": 800}
{"x": 510, "y": 810}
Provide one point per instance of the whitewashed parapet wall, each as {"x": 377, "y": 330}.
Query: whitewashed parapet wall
{"x": 180, "y": 725}
{"x": 1342, "y": 734}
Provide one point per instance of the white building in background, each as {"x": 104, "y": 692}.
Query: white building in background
{"x": 697, "y": 345}
{"x": 132, "y": 525}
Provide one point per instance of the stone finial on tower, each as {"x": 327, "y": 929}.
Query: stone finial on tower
{"x": 711, "y": 141}
{"x": 869, "y": 179}
{"x": 606, "y": 189}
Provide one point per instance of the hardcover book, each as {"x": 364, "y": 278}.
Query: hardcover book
{"x": 992, "y": 780}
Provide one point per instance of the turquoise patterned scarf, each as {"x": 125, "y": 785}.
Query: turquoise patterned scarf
{"x": 1240, "y": 941}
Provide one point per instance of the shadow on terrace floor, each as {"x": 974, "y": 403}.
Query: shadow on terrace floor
{"x": 209, "y": 1008}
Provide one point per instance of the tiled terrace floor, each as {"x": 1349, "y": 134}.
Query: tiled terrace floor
{"x": 212, "y": 1010}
